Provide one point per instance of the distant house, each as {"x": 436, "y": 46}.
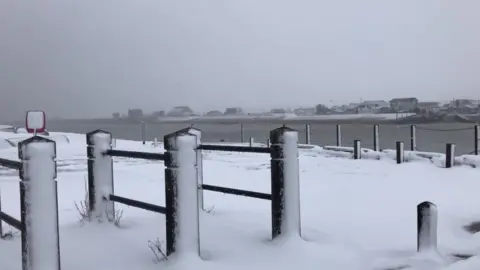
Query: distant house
{"x": 304, "y": 111}
{"x": 321, "y": 109}
{"x": 233, "y": 111}
{"x": 157, "y": 114}
{"x": 428, "y": 107}
{"x": 135, "y": 113}
{"x": 466, "y": 105}
{"x": 372, "y": 106}
{"x": 180, "y": 111}
{"x": 214, "y": 113}
{"x": 338, "y": 109}
{"x": 278, "y": 111}
{"x": 404, "y": 104}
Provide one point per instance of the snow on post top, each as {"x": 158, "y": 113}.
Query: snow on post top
{"x": 98, "y": 134}
{"x": 41, "y": 143}
{"x": 277, "y": 136}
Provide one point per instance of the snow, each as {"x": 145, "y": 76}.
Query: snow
{"x": 103, "y": 176}
{"x": 355, "y": 214}
{"x": 188, "y": 236}
{"x": 41, "y": 200}
{"x": 291, "y": 226}
{"x": 428, "y": 230}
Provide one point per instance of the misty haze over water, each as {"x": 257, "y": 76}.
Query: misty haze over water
{"x": 89, "y": 58}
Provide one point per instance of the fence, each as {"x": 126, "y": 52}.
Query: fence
{"x": 321, "y": 134}
{"x": 38, "y": 222}
{"x": 184, "y": 181}
{"x": 284, "y": 195}
{"x": 183, "y": 191}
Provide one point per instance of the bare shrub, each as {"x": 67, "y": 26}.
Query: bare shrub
{"x": 210, "y": 210}
{"x": 10, "y": 234}
{"x": 157, "y": 249}
{"x": 83, "y": 207}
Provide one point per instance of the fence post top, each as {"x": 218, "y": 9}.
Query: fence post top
{"x": 95, "y": 132}
{"x": 425, "y": 204}
{"x": 34, "y": 139}
{"x": 189, "y": 130}
{"x": 170, "y": 140}
{"x": 277, "y": 135}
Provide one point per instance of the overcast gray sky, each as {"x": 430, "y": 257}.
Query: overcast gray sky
{"x": 81, "y": 58}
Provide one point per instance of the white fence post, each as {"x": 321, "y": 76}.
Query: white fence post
{"x": 376, "y": 141}
{"x": 339, "y": 135}
{"x": 39, "y": 215}
{"x": 100, "y": 175}
{"x": 400, "y": 156}
{"x": 285, "y": 183}
{"x": 427, "y": 218}
{"x": 357, "y": 149}
{"x": 307, "y": 134}
{"x": 198, "y": 134}
{"x": 181, "y": 188}
{"x": 449, "y": 155}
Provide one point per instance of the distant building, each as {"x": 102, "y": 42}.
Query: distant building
{"x": 304, "y": 111}
{"x": 135, "y": 113}
{"x": 428, "y": 107}
{"x": 157, "y": 114}
{"x": 404, "y": 104}
{"x": 466, "y": 106}
{"x": 233, "y": 111}
{"x": 321, "y": 109}
{"x": 214, "y": 113}
{"x": 278, "y": 111}
{"x": 180, "y": 111}
{"x": 372, "y": 106}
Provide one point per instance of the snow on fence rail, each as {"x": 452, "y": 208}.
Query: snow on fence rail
{"x": 38, "y": 222}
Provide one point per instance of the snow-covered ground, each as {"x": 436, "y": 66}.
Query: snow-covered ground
{"x": 356, "y": 214}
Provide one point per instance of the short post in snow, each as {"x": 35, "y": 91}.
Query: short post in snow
{"x": 476, "y": 131}
{"x": 307, "y": 134}
{"x": 413, "y": 138}
{"x": 357, "y": 149}
{"x": 449, "y": 155}
{"x": 400, "y": 157}
{"x": 427, "y": 219}
{"x": 242, "y": 135}
{"x": 285, "y": 187}
{"x": 39, "y": 204}
{"x": 100, "y": 175}
{"x": 144, "y": 132}
{"x": 181, "y": 193}
{"x": 252, "y": 141}
{"x": 376, "y": 142}
{"x": 339, "y": 135}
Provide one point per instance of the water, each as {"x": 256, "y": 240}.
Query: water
{"x": 434, "y": 139}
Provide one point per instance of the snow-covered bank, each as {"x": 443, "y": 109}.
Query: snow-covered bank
{"x": 356, "y": 214}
